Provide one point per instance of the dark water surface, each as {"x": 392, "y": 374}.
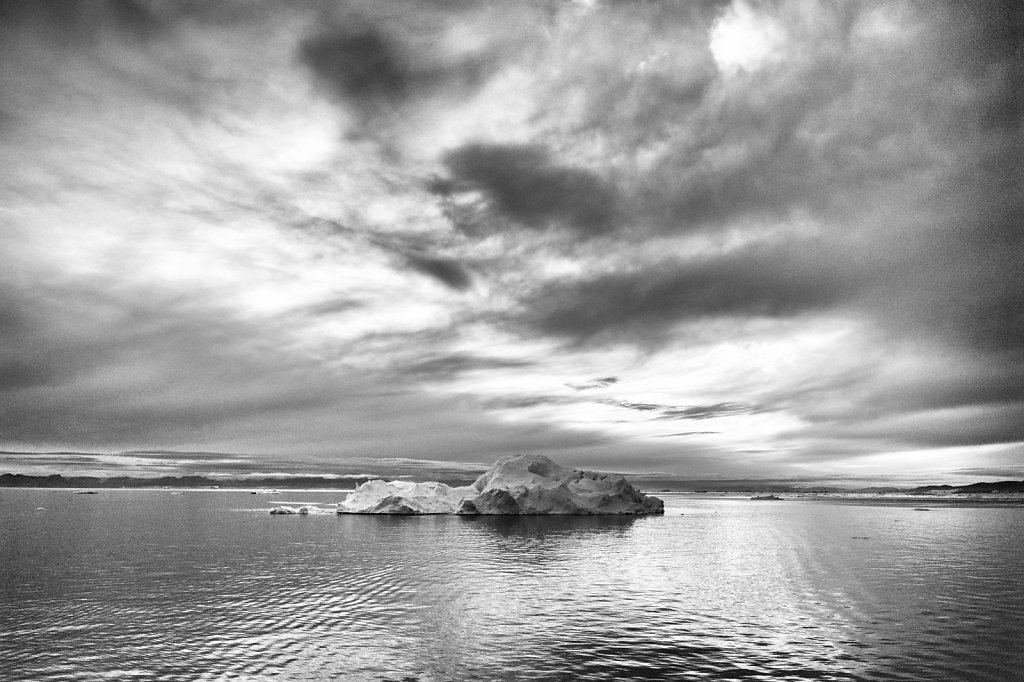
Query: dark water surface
{"x": 146, "y": 585}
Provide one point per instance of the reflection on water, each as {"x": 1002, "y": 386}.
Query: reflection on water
{"x": 207, "y": 585}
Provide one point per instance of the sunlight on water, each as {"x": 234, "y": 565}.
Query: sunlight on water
{"x": 209, "y": 586}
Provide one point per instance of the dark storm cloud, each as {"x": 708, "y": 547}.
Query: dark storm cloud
{"x": 328, "y": 308}
{"x": 448, "y": 366}
{"x": 375, "y": 70}
{"x": 523, "y": 183}
{"x": 363, "y": 64}
{"x": 775, "y": 282}
{"x": 709, "y": 411}
{"x": 78, "y": 19}
{"x": 527, "y": 402}
{"x": 668, "y": 412}
{"x": 449, "y": 272}
{"x": 600, "y": 382}
{"x": 25, "y": 374}
{"x": 639, "y": 407}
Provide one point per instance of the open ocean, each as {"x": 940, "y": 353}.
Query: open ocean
{"x": 206, "y": 585}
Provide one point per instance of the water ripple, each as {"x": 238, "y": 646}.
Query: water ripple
{"x": 167, "y": 590}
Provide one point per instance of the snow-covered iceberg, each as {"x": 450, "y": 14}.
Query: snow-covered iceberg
{"x": 524, "y": 484}
{"x": 403, "y": 497}
{"x": 304, "y": 509}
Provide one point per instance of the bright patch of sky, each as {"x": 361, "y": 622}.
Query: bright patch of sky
{"x": 742, "y": 39}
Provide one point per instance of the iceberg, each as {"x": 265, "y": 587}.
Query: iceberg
{"x": 304, "y": 509}
{"x": 403, "y": 497}
{"x": 523, "y": 484}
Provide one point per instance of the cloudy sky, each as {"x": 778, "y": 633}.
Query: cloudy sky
{"x": 710, "y": 239}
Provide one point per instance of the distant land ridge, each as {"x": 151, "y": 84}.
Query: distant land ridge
{"x": 58, "y": 481}
{"x": 320, "y": 482}
{"x": 974, "y": 488}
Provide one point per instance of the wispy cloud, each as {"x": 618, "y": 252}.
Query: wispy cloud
{"x": 688, "y": 433}
{"x": 709, "y": 411}
{"x": 601, "y": 382}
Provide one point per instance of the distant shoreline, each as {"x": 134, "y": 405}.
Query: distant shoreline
{"x": 57, "y": 481}
{"x": 905, "y": 499}
{"x": 314, "y": 483}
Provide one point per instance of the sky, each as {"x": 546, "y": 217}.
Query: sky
{"x": 709, "y": 239}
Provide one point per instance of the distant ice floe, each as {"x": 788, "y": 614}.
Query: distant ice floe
{"x": 524, "y": 484}
{"x": 304, "y": 509}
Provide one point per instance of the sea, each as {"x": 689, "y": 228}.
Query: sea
{"x": 208, "y": 585}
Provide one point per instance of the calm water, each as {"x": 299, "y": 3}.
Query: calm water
{"x": 208, "y": 586}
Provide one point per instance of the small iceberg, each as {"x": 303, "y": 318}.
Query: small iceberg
{"x": 304, "y": 509}
{"x": 403, "y": 497}
{"x": 524, "y": 484}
